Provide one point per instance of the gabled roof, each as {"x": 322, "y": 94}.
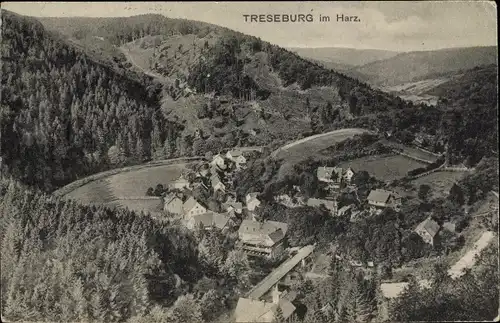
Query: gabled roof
{"x": 345, "y": 208}
{"x": 428, "y": 225}
{"x": 235, "y": 205}
{"x": 274, "y": 230}
{"x": 235, "y": 153}
{"x": 170, "y": 197}
{"x": 215, "y": 179}
{"x": 220, "y": 220}
{"x": 249, "y": 310}
{"x": 190, "y": 203}
{"x": 380, "y": 196}
{"x": 211, "y": 219}
{"x": 252, "y": 195}
{"x": 206, "y": 219}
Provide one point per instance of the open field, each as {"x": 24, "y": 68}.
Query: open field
{"x": 414, "y": 152}
{"x": 441, "y": 182}
{"x": 125, "y": 189}
{"x": 301, "y": 149}
{"x": 386, "y": 168}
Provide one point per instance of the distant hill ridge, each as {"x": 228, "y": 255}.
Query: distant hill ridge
{"x": 344, "y": 56}
{"x": 411, "y": 66}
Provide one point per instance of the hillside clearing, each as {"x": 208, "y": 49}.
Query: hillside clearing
{"x": 441, "y": 182}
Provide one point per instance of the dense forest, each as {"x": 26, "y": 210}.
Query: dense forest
{"x": 233, "y": 50}
{"x": 122, "y": 30}
{"x": 65, "y": 262}
{"x": 64, "y": 116}
{"x": 464, "y": 123}
{"x": 227, "y": 67}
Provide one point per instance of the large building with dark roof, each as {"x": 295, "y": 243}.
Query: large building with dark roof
{"x": 262, "y": 238}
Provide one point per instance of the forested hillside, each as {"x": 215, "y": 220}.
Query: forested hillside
{"x": 464, "y": 122}
{"x": 65, "y": 116}
{"x": 65, "y": 262}
{"x": 411, "y": 66}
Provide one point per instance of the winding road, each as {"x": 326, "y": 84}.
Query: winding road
{"x": 305, "y": 147}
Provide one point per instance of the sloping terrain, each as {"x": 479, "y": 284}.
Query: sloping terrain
{"x": 228, "y": 89}
{"x": 408, "y": 67}
{"x": 344, "y": 56}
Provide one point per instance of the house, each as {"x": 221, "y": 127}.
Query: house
{"x": 192, "y": 207}
{"x": 217, "y": 184}
{"x": 262, "y": 238}
{"x": 173, "y": 204}
{"x": 218, "y": 161}
{"x": 288, "y": 201}
{"x": 180, "y": 183}
{"x": 209, "y": 221}
{"x": 203, "y": 171}
{"x": 419, "y": 140}
{"x": 251, "y": 310}
{"x": 356, "y": 216}
{"x": 328, "y": 204}
{"x": 345, "y": 209}
{"x": 237, "y": 207}
{"x": 427, "y": 229}
{"x": 348, "y": 174}
{"x": 252, "y": 201}
{"x": 450, "y": 226}
{"x": 324, "y": 174}
{"x": 382, "y": 199}
{"x": 237, "y": 157}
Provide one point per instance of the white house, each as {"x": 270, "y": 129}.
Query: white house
{"x": 262, "y": 238}
{"x": 324, "y": 174}
{"x": 427, "y": 229}
{"x": 252, "y": 201}
{"x": 192, "y": 207}
{"x": 237, "y": 207}
{"x": 217, "y": 184}
{"x": 237, "y": 157}
{"x": 219, "y": 162}
{"x": 173, "y": 204}
{"x": 382, "y": 199}
{"x": 348, "y": 174}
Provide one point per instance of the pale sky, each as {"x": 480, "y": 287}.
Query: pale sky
{"x": 400, "y": 26}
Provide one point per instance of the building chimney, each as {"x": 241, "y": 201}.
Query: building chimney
{"x": 276, "y": 294}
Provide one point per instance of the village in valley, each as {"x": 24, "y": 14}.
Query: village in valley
{"x": 158, "y": 164}
{"x": 204, "y": 198}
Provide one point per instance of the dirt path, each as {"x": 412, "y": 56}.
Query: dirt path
{"x": 468, "y": 260}
{"x": 339, "y": 132}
